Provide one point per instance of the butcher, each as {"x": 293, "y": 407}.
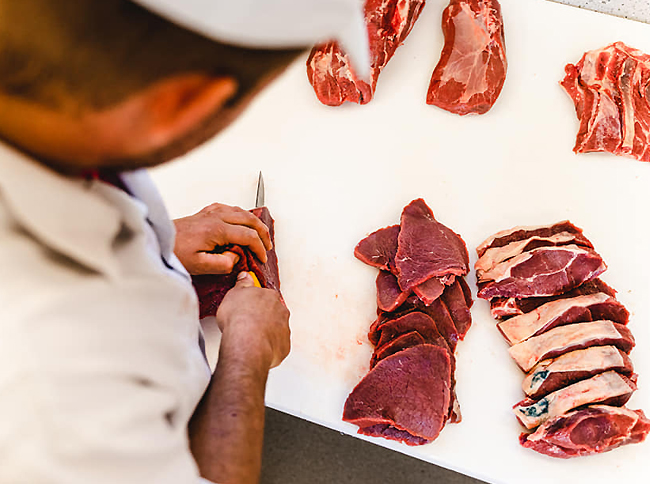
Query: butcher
{"x": 103, "y": 376}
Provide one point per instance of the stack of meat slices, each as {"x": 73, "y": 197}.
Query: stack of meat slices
{"x": 424, "y": 309}
{"x": 568, "y": 333}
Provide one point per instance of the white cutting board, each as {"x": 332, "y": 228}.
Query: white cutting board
{"x": 335, "y": 174}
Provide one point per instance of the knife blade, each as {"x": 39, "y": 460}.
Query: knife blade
{"x": 259, "y": 197}
{"x": 631, "y": 9}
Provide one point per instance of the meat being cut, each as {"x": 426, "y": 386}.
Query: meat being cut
{"x": 211, "y": 289}
{"x": 409, "y": 391}
{"x": 328, "y": 68}
{"x": 577, "y": 309}
{"x": 608, "y": 388}
{"x": 545, "y": 271}
{"x": 472, "y": 68}
{"x": 551, "y": 375}
{"x": 590, "y": 430}
{"x": 610, "y": 90}
{"x": 568, "y": 338}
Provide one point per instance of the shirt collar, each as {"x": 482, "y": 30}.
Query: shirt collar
{"x": 61, "y": 212}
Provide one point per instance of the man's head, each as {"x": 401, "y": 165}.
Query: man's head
{"x": 86, "y": 83}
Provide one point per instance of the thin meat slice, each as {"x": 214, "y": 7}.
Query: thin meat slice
{"x": 472, "y": 68}
{"x": 328, "y": 68}
{"x": 410, "y": 391}
{"x": 467, "y": 292}
{"x": 426, "y": 248}
{"x": 568, "y": 338}
{"x": 389, "y": 329}
{"x": 389, "y": 294}
{"x": 379, "y": 248}
{"x": 456, "y": 303}
{"x": 608, "y": 388}
{"x": 545, "y": 271}
{"x": 578, "y": 309}
{"x": 592, "y": 430}
{"x": 551, "y": 375}
{"x": 391, "y": 433}
{"x": 430, "y": 290}
{"x": 401, "y": 342}
{"x": 609, "y": 88}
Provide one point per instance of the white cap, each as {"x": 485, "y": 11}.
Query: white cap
{"x": 279, "y": 24}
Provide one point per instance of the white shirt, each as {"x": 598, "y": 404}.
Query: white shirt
{"x": 100, "y": 363}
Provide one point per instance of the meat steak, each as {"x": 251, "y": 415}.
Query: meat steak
{"x": 454, "y": 299}
{"x": 389, "y": 294}
{"x": 472, "y": 68}
{"x": 590, "y": 430}
{"x": 328, "y": 68}
{"x": 609, "y": 88}
{"x": 401, "y": 342}
{"x": 379, "y": 248}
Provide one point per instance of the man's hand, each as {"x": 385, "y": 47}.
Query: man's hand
{"x": 214, "y": 226}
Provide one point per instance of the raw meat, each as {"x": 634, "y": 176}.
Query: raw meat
{"x": 610, "y": 88}
{"x": 472, "y": 68}
{"x": 568, "y": 338}
{"x": 401, "y": 342}
{"x": 551, "y": 375}
{"x": 211, "y": 289}
{"x": 563, "y": 311}
{"x": 415, "y": 321}
{"x": 426, "y": 248}
{"x": 430, "y": 290}
{"x": 389, "y": 295}
{"x": 389, "y": 432}
{"x": 545, "y": 271}
{"x": 379, "y": 248}
{"x": 591, "y": 430}
{"x": 502, "y": 307}
{"x": 328, "y": 68}
{"x": 608, "y": 388}
{"x": 454, "y": 299}
{"x": 410, "y": 391}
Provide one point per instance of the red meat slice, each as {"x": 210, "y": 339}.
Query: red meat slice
{"x": 410, "y": 391}
{"x": 472, "y": 68}
{"x": 429, "y": 290}
{"x": 609, "y": 88}
{"x": 379, "y": 248}
{"x": 426, "y": 248}
{"x": 328, "y": 68}
{"x": 391, "y": 433}
{"x": 406, "y": 340}
{"x": 389, "y": 295}
{"x": 211, "y": 289}
{"x": 591, "y": 430}
{"x": 454, "y": 298}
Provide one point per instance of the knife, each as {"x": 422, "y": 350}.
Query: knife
{"x": 628, "y": 10}
{"x": 259, "y": 197}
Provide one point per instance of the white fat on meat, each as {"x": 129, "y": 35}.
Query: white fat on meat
{"x": 505, "y": 233}
{"x": 530, "y": 352}
{"x": 522, "y": 327}
{"x": 589, "y": 359}
{"x": 596, "y": 389}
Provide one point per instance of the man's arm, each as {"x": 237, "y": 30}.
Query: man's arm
{"x": 227, "y": 429}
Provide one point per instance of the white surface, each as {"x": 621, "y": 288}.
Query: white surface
{"x": 633, "y": 9}
{"x": 335, "y": 174}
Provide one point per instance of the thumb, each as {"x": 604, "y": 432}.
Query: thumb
{"x": 244, "y": 279}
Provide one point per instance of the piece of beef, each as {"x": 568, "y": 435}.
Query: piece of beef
{"x": 426, "y": 248}
{"x": 608, "y": 388}
{"x": 389, "y": 294}
{"x": 519, "y": 233}
{"x": 578, "y": 309}
{"x": 399, "y": 343}
{"x": 409, "y": 391}
{"x": 430, "y": 290}
{"x": 454, "y": 298}
{"x": 467, "y": 292}
{"x": 545, "y": 271}
{"x": 568, "y": 338}
{"x": 503, "y": 307}
{"x": 379, "y": 248}
{"x": 391, "y": 433}
{"x": 328, "y": 68}
{"x": 211, "y": 289}
{"x": 551, "y": 375}
{"x": 472, "y": 68}
{"x": 587, "y": 431}
{"x": 609, "y": 88}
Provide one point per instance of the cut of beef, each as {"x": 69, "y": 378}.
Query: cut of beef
{"x": 429, "y": 290}
{"x": 568, "y": 338}
{"x": 545, "y": 271}
{"x": 409, "y": 391}
{"x": 426, "y": 248}
{"x": 328, "y": 68}
{"x": 379, "y": 248}
{"x": 211, "y": 289}
{"x": 389, "y": 295}
{"x": 503, "y": 307}
{"x": 454, "y": 299}
{"x": 389, "y": 329}
{"x": 590, "y": 430}
{"x": 472, "y": 68}
{"x": 391, "y": 433}
{"x": 401, "y": 342}
{"x": 578, "y": 309}
{"x": 608, "y": 388}
{"x": 551, "y": 375}
{"x": 609, "y": 88}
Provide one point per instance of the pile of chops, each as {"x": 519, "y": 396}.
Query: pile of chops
{"x": 468, "y": 78}
{"x": 568, "y": 333}
{"x": 423, "y": 311}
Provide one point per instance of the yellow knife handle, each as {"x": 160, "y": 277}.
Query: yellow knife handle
{"x": 255, "y": 279}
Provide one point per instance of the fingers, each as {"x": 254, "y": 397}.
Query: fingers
{"x": 206, "y": 263}
{"x": 244, "y": 279}
{"x": 239, "y": 216}
{"x": 240, "y": 235}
